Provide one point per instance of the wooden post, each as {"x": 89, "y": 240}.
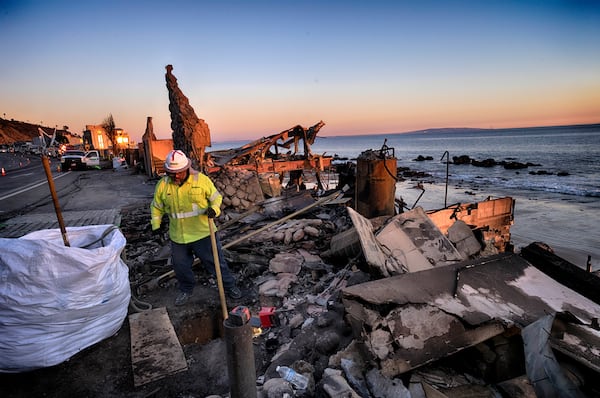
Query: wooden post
{"x": 61, "y": 223}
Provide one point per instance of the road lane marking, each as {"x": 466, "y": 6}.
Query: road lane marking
{"x": 20, "y": 175}
{"x": 35, "y": 185}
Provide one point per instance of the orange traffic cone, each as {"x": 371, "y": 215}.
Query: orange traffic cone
{"x": 3, "y": 172}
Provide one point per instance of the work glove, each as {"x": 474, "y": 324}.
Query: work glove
{"x": 211, "y": 213}
{"x": 158, "y": 235}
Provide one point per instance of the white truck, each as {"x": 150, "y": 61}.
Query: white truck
{"x": 79, "y": 160}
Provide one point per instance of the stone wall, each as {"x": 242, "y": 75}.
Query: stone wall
{"x": 240, "y": 188}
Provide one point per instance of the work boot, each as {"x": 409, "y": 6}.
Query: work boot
{"x": 182, "y": 298}
{"x": 234, "y": 293}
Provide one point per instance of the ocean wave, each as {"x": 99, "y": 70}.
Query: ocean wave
{"x": 523, "y": 183}
{"x": 556, "y": 188}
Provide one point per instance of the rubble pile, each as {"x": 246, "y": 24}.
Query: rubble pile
{"x": 412, "y": 305}
{"x": 443, "y": 320}
{"x": 291, "y": 231}
{"x": 409, "y": 305}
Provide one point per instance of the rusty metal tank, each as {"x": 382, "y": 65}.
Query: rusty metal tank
{"x": 376, "y": 182}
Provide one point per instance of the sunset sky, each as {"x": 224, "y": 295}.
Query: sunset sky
{"x": 255, "y": 68}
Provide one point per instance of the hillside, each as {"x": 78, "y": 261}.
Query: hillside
{"x": 14, "y": 131}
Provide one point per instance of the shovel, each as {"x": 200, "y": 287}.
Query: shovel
{"x": 213, "y": 241}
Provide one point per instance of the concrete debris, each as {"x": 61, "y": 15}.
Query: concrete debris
{"x": 372, "y": 250}
{"x": 491, "y": 219}
{"x": 379, "y": 307}
{"x": 416, "y": 304}
{"x": 277, "y": 285}
{"x": 416, "y": 243}
{"x": 383, "y": 387}
{"x": 543, "y": 369}
{"x": 336, "y": 386}
{"x": 286, "y": 263}
{"x": 463, "y": 238}
{"x": 354, "y": 373}
{"x": 345, "y": 244}
{"x": 290, "y": 231}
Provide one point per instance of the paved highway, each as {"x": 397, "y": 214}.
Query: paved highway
{"x": 24, "y": 185}
{"x": 25, "y": 190}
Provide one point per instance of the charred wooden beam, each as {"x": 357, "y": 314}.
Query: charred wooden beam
{"x": 263, "y": 155}
{"x": 315, "y": 163}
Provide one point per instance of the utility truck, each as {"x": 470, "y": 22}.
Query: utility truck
{"x": 79, "y": 160}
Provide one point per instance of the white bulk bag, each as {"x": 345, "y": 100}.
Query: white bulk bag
{"x": 57, "y": 300}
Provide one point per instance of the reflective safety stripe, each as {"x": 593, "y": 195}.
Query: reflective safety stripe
{"x": 214, "y": 196}
{"x": 196, "y": 211}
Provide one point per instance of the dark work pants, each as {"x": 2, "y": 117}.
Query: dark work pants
{"x": 183, "y": 258}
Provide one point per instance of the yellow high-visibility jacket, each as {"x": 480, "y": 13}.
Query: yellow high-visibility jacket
{"x": 186, "y": 206}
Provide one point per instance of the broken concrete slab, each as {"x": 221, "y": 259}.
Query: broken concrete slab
{"x": 492, "y": 218}
{"x": 345, "y": 244}
{"x": 414, "y": 240}
{"x": 415, "y": 318}
{"x": 155, "y": 349}
{"x": 277, "y": 285}
{"x": 407, "y": 242}
{"x": 312, "y": 261}
{"x": 371, "y": 249}
{"x": 286, "y": 263}
{"x": 461, "y": 235}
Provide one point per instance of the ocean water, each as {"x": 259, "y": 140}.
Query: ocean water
{"x": 562, "y": 211}
{"x": 575, "y": 150}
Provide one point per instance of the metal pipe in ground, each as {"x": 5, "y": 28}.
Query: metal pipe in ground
{"x": 240, "y": 360}
{"x": 61, "y": 223}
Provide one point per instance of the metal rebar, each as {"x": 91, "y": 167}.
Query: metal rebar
{"x": 447, "y": 155}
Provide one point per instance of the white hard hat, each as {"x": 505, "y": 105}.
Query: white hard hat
{"x": 177, "y": 161}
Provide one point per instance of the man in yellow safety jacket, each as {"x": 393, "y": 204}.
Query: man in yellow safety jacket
{"x": 189, "y": 198}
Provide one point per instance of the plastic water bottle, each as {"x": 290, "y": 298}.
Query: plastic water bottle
{"x": 298, "y": 380}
